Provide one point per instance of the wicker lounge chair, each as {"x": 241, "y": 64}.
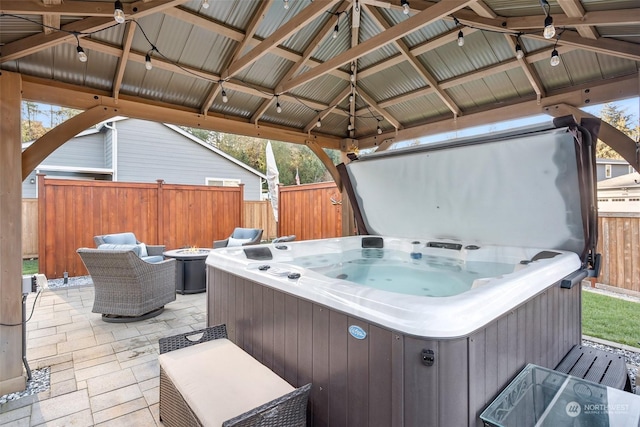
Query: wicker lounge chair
{"x": 206, "y": 370}
{"x": 128, "y": 288}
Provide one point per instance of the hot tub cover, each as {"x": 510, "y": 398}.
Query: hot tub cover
{"x": 533, "y": 188}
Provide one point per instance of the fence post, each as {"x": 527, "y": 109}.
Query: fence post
{"x": 160, "y": 232}
{"x": 241, "y": 203}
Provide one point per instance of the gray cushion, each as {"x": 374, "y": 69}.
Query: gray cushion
{"x": 237, "y": 242}
{"x": 120, "y": 238}
{"x": 114, "y": 247}
{"x": 245, "y": 233}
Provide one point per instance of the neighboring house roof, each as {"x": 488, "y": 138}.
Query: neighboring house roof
{"x": 214, "y": 149}
{"x": 630, "y": 180}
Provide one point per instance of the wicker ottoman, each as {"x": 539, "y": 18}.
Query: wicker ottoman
{"x": 216, "y": 383}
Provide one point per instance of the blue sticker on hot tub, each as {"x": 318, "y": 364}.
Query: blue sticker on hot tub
{"x": 357, "y": 332}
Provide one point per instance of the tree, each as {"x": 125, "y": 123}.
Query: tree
{"x": 619, "y": 119}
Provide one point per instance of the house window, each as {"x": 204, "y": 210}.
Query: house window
{"x": 607, "y": 171}
{"x": 222, "y": 182}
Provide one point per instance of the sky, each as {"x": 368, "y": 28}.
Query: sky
{"x": 631, "y": 105}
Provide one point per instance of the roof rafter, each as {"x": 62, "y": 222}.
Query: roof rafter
{"x": 332, "y": 105}
{"x": 408, "y": 26}
{"x": 50, "y": 21}
{"x": 573, "y": 9}
{"x": 417, "y": 65}
{"x": 124, "y": 57}
{"x": 306, "y": 16}
{"x": 532, "y": 76}
{"x": 42, "y": 41}
{"x": 369, "y": 100}
{"x": 251, "y": 30}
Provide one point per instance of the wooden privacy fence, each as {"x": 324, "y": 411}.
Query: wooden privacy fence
{"x": 310, "y": 211}
{"x": 619, "y": 244}
{"x": 29, "y": 228}
{"x": 72, "y": 212}
{"x": 260, "y": 215}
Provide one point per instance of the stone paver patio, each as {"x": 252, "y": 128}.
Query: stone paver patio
{"x": 102, "y": 374}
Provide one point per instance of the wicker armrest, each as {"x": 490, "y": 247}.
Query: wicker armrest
{"x": 176, "y": 342}
{"x": 288, "y": 410}
{"x": 153, "y": 250}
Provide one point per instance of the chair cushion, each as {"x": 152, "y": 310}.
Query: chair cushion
{"x": 237, "y": 242}
{"x": 120, "y": 238}
{"x": 153, "y": 258}
{"x": 143, "y": 250}
{"x": 116, "y": 247}
{"x": 245, "y": 233}
{"x": 219, "y": 381}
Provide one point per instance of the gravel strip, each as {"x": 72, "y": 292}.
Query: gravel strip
{"x": 40, "y": 381}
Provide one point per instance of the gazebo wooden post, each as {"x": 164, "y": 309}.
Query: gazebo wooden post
{"x": 12, "y": 378}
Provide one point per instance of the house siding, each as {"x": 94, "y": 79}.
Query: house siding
{"x": 84, "y": 151}
{"x": 161, "y": 153}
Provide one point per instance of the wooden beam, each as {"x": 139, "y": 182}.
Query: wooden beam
{"x": 38, "y": 42}
{"x": 407, "y": 26}
{"x": 532, "y": 76}
{"x": 574, "y": 9}
{"x": 129, "y": 31}
{"x": 51, "y": 92}
{"x": 52, "y": 140}
{"x": 326, "y": 161}
{"x": 70, "y": 8}
{"x": 373, "y": 104}
{"x": 482, "y": 9}
{"x": 587, "y": 94}
{"x": 303, "y": 18}
{"x": 332, "y": 105}
{"x": 417, "y": 65}
{"x": 604, "y": 18}
{"x": 51, "y": 22}
{"x": 621, "y": 143}
{"x": 12, "y": 378}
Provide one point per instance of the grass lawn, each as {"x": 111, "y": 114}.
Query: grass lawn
{"x": 29, "y": 266}
{"x": 610, "y": 318}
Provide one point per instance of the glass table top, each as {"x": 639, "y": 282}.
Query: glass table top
{"x": 543, "y": 397}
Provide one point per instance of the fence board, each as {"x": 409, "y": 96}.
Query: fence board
{"x": 71, "y": 212}
{"x": 310, "y": 211}
{"x": 260, "y": 215}
{"x": 29, "y": 228}
{"x": 619, "y": 244}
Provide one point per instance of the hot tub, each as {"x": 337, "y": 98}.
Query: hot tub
{"x": 455, "y": 285}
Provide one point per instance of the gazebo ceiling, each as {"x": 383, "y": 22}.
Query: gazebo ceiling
{"x": 278, "y": 68}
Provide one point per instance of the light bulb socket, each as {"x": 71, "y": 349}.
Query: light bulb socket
{"x": 336, "y": 29}
{"x": 118, "y": 12}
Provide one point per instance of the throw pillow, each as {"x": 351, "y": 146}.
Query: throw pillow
{"x": 237, "y": 242}
{"x": 143, "y": 249}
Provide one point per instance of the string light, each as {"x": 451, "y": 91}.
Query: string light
{"x": 118, "y": 13}
{"x": 225, "y": 99}
{"x": 319, "y": 123}
{"x": 460, "y": 38}
{"x": 352, "y": 76}
{"x": 549, "y": 29}
{"x": 147, "y": 61}
{"x": 519, "y": 51}
{"x": 82, "y": 57}
{"x": 555, "y": 58}
{"x": 278, "y": 107}
{"x": 205, "y": 4}
{"x": 379, "y": 129}
{"x": 405, "y": 7}
{"x": 286, "y": 4}
{"x": 335, "y": 31}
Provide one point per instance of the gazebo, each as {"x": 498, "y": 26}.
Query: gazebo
{"x": 339, "y": 74}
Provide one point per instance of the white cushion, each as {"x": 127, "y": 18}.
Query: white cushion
{"x": 237, "y": 242}
{"x": 219, "y": 381}
{"x": 143, "y": 250}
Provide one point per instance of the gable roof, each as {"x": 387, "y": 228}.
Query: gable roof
{"x": 410, "y": 77}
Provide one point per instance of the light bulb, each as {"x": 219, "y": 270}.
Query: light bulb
{"x": 286, "y": 4}
{"x": 278, "y": 108}
{"x": 379, "y": 130}
{"x": 350, "y": 98}
{"x": 349, "y": 127}
{"x": 549, "y": 29}
{"x": 352, "y": 77}
{"x": 519, "y": 52}
{"x": 118, "y": 13}
{"x": 405, "y": 7}
{"x": 318, "y": 123}
{"x": 205, "y": 4}
{"x": 224, "y": 97}
{"x": 555, "y": 58}
{"x": 147, "y": 62}
{"x": 82, "y": 57}
{"x": 460, "y": 39}
{"x": 335, "y": 31}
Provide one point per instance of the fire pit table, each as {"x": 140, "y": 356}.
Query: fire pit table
{"x": 190, "y": 269}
